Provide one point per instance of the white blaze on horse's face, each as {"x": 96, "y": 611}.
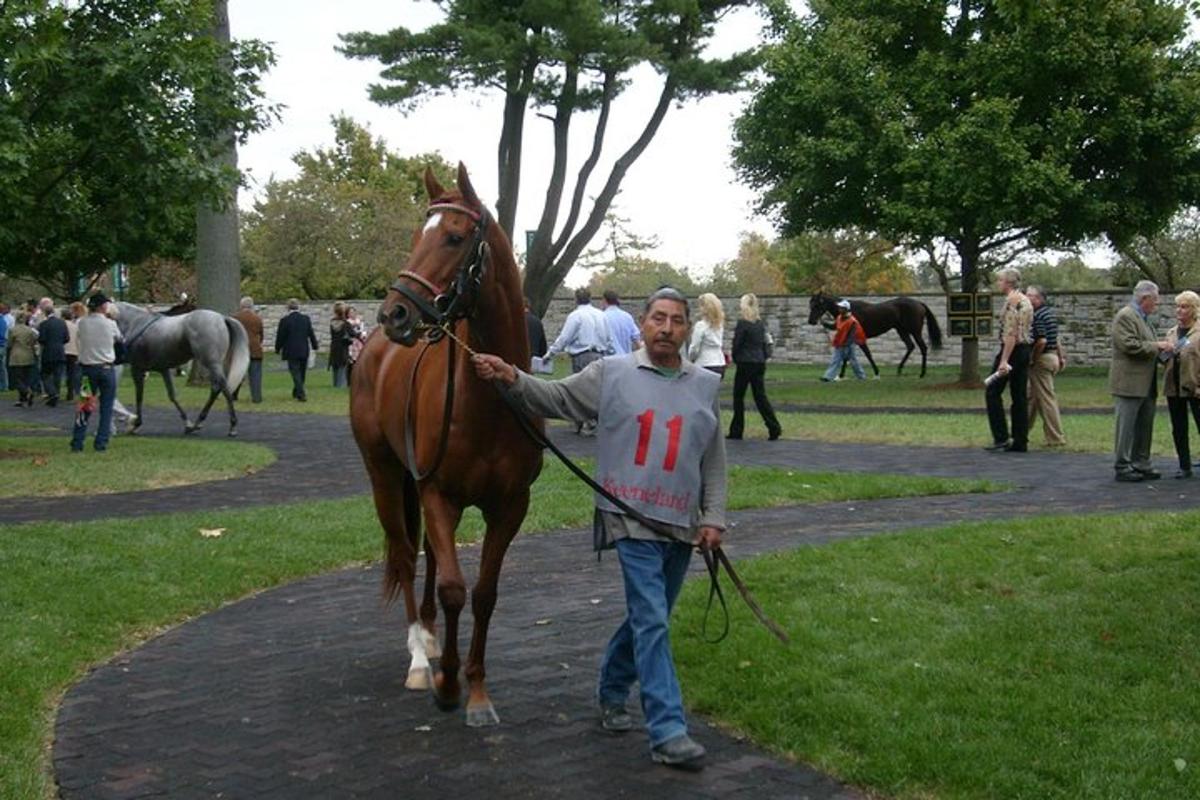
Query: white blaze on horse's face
{"x": 433, "y": 221}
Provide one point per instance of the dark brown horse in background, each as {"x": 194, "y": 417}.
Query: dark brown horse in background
{"x": 436, "y": 439}
{"x": 901, "y": 314}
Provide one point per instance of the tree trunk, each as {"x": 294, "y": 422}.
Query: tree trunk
{"x": 218, "y": 263}
{"x": 968, "y": 253}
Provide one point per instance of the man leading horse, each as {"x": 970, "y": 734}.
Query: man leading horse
{"x": 661, "y": 451}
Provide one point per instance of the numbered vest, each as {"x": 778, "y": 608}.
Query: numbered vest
{"x": 653, "y": 433}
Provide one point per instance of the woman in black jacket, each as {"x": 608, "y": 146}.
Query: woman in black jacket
{"x": 750, "y": 351}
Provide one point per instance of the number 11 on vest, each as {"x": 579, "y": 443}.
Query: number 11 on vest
{"x": 674, "y": 431}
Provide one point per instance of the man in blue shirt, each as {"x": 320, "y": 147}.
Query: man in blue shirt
{"x": 621, "y": 326}
{"x": 585, "y": 338}
{"x": 5, "y": 322}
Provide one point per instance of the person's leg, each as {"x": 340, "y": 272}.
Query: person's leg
{"x": 617, "y": 668}
{"x": 852, "y": 355}
{"x": 759, "y": 390}
{"x": 1018, "y": 385}
{"x": 994, "y": 397}
{"x": 644, "y": 567}
{"x": 741, "y": 380}
{"x": 1143, "y": 434}
{"x": 3, "y": 368}
{"x": 1177, "y": 407}
{"x": 79, "y": 432}
{"x": 835, "y": 365}
{"x": 73, "y": 377}
{"x": 21, "y": 380}
{"x": 1125, "y": 410}
{"x": 294, "y": 369}
{"x": 51, "y": 380}
{"x": 1038, "y": 378}
{"x": 256, "y": 367}
{"x": 107, "y": 381}
{"x": 339, "y": 377}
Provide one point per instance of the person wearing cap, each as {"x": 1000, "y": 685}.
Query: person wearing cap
{"x": 659, "y": 448}
{"x": 98, "y": 335}
{"x": 847, "y": 334}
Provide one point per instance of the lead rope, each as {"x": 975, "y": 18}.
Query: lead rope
{"x": 713, "y": 560}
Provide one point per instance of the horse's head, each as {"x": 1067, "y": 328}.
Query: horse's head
{"x": 441, "y": 281}
{"x": 818, "y": 304}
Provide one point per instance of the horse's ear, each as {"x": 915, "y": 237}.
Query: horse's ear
{"x": 466, "y": 189}
{"x": 432, "y": 186}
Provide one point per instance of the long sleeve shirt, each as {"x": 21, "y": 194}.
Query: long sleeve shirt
{"x": 577, "y": 398}
{"x": 585, "y": 330}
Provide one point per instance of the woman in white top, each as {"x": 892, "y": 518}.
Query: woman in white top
{"x": 708, "y": 334}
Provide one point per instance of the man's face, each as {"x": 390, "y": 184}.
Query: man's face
{"x": 1148, "y": 303}
{"x": 1036, "y": 300}
{"x": 665, "y": 328}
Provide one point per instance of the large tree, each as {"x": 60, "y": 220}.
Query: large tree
{"x": 1170, "y": 258}
{"x": 343, "y": 226}
{"x": 109, "y": 111}
{"x": 991, "y": 125}
{"x": 559, "y": 58}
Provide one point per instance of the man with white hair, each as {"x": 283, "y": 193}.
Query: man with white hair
{"x": 1011, "y": 368}
{"x": 1132, "y": 380}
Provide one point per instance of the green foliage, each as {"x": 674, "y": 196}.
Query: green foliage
{"x": 109, "y": 115}
{"x": 842, "y": 262}
{"x": 1070, "y": 273}
{"x": 344, "y": 226}
{"x": 992, "y": 125}
{"x": 639, "y": 276}
{"x": 558, "y": 57}
{"x": 755, "y": 269}
{"x": 1170, "y": 258}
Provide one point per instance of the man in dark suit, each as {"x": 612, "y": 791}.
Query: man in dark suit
{"x": 536, "y": 331}
{"x": 292, "y": 340}
{"x": 53, "y": 336}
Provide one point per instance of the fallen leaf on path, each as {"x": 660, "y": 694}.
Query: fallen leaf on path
{"x": 543, "y": 622}
{"x": 211, "y": 533}
{"x": 1180, "y": 765}
{"x": 423, "y": 728}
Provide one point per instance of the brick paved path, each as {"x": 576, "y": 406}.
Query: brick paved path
{"x": 298, "y": 692}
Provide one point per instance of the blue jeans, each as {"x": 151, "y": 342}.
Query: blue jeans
{"x": 254, "y": 378}
{"x": 641, "y": 648}
{"x": 840, "y": 356}
{"x": 4, "y": 367}
{"x": 103, "y": 381}
{"x": 339, "y": 376}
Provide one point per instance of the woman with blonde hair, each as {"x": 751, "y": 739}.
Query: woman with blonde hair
{"x": 751, "y": 348}
{"x": 1181, "y": 385}
{"x": 708, "y": 335}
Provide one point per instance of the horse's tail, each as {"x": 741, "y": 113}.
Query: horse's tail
{"x": 935, "y": 332}
{"x": 237, "y": 359}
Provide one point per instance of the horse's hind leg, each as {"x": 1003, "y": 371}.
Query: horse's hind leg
{"x": 924, "y": 352}
{"x": 170, "y": 384}
{"x": 218, "y": 387}
{"x": 870, "y": 360}
{"x": 502, "y": 525}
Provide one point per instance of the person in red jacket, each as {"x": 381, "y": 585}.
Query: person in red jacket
{"x": 847, "y": 333}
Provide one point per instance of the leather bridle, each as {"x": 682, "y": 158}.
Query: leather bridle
{"x": 445, "y": 305}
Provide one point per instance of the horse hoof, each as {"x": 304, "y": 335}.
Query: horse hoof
{"x": 482, "y": 717}
{"x": 419, "y": 680}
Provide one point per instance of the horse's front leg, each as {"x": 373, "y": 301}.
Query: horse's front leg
{"x": 422, "y": 635}
{"x": 441, "y": 521}
{"x": 170, "y": 384}
{"x": 909, "y": 347}
{"x": 503, "y": 523}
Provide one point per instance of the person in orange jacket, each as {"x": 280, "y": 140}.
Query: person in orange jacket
{"x": 847, "y": 334}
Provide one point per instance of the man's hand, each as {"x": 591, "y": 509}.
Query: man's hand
{"x": 494, "y": 368}
{"x": 1004, "y": 368}
{"x": 1165, "y": 347}
{"x": 709, "y": 538}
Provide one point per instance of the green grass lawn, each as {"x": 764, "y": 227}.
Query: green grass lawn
{"x": 1046, "y": 658}
{"x": 74, "y": 594}
{"x": 1086, "y": 433}
{"x": 45, "y": 466}
{"x": 1077, "y": 387}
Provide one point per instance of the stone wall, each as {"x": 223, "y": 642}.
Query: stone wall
{"x": 1084, "y": 319}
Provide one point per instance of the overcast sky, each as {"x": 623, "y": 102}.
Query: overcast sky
{"x": 682, "y": 189}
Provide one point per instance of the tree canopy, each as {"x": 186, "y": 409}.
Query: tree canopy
{"x": 1170, "y": 258}
{"x": 993, "y": 125}
{"x": 343, "y": 227}
{"x": 557, "y": 58}
{"x": 109, "y": 111}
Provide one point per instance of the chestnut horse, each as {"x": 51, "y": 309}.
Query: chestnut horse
{"x": 436, "y": 439}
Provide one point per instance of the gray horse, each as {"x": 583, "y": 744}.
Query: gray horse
{"x": 159, "y": 343}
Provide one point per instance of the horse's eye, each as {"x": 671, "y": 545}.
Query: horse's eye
{"x": 453, "y": 239}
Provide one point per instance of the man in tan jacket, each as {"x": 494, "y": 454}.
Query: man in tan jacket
{"x": 253, "y": 324}
{"x": 1132, "y": 380}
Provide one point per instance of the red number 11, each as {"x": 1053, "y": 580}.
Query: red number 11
{"x": 674, "y": 429}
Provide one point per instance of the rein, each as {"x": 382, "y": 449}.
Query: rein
{"x": 714, "y": 560}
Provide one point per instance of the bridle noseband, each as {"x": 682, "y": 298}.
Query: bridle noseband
{"x": 458, "y": 300}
